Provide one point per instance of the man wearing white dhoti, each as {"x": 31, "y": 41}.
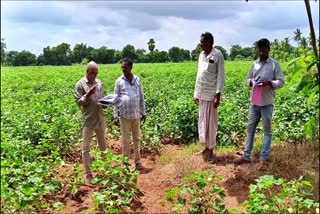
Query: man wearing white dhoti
{"x": 208, "y": 88}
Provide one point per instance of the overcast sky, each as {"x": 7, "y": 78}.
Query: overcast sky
{"x": 33, "y": 25}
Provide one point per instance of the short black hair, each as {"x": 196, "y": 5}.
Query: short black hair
{"x": 208, "y": 36}
{"x": 263, "y": 43}
{"x": 129, "y": 61}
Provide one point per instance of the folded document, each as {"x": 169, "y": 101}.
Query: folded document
{"x": 110, "y": 100}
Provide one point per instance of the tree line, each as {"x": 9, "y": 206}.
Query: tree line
{"x": 62, "y": 54}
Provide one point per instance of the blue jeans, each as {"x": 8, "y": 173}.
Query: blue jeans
{"x": 255, "y": 113}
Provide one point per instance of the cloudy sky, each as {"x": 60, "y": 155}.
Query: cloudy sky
{"x": 33, "y": 25}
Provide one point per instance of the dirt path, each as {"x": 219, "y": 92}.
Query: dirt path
{"x": 157, "y": 177}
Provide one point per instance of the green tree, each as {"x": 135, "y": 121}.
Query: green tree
{"x": 81, "y": 51}
{"x": 11, "y": 57}
{"x": 117, "y": 56}
{"x": 3, "y": 52}
{"x": 141, "y": 53}
{"x": 100, "y": 55}
{"x": 129, "y": 51}
{"x": 297, "y": 36}
{"x": 185, "y": 55}
{"x": 175, "y": 54}
{"x": 235, "y": 51}
{"x": 151, "y": 45}
{"x": 196, "y": 52}
{"x": 49, "y": 57}
{"x": 304, "y": 42}
{"x": 161, "y": 56}
{"x": 22, "y": 58}
{"x": 25, "y": 58}
{"x": 247, "y": 53}
{"x": 62, "y": 53}
{"x": 40, "y": 60}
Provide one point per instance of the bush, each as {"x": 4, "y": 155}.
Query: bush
{"x": 272, "y": 195}
{"x": 198, "y": 193}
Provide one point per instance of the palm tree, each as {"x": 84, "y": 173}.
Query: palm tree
{"x": 297, "y": 36}
{"x": 151, "y": 45}
{"x": 304, "y": 42}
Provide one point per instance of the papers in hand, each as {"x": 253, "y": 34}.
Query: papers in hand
{"x": 110, "y": 100}
{"x": 256, "y": 96}
{"x": 257, "y": 84}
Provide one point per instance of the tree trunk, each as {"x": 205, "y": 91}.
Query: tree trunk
{"x": 313, "y": 37}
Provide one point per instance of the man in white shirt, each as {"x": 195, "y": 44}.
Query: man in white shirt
{"x": 208, "y": 88}
{"x": 128, "y": 87}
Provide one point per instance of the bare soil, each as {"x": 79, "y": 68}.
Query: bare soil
{"x": 155, "y": 178}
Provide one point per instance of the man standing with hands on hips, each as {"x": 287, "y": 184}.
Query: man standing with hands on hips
{"x": 87, "y": 92}
{"x": 208, "y": 88}
{"x": 264, "y": 78}
{"x": 128, "y": 87}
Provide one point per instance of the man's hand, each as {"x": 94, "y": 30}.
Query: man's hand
{"x": 251, "y": 83}
{"x": 92, "y": 90}
{"x": 116, "y": 121}
{"x": 216, "y": 101}
{"x": 143, "y": 118}
{"x": 265, "y": 83}
{"x": 196, "y": 101}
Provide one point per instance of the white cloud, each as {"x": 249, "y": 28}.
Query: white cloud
{"x": 35, "y": 25}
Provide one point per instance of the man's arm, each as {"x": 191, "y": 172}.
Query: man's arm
{"x": 221, "y": 74}
{"x": 80, "y": 95}
{"x": 115, "y": 108}
{"x": 250, "y": 77}
{"x": 279, "y": 78}
{"x": 142, "y": 103}
{"x": 116, "y": 92}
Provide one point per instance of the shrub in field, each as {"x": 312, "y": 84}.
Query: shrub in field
{"x": 27, "y": 180}
{"x": 272, "y": 195}
{"x": 198, "y": 193}
{"x": 184, "y": 120}
{"x": 117, "y": 183}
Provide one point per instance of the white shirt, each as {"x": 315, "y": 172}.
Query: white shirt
{"x": 133, "y": 105}
{"x": 210, "y": 76}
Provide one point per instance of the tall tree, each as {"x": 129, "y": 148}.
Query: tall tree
{"x": 151, "y": 45}
{"x": 25, "y": 58}
{"x": 11, "y": 57}
{"x": 80, "y": 51}
{"x": 63, "y": 54}
{"x": 49, "y": 57}
{"x": 195, "y": 53}
{"x": 3, "y": 52}
{"x": 129, "y": 51}
{"x": 303, "y": 42}
{"x": 297, "y": 36}
{"x": 161, "y": 56}
{"x": 175, "y": 54}
{"x": 141, "y": 53}
{"x": 235, "y": 51}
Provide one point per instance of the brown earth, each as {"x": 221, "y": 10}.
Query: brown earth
{"x": 155, "y": 178}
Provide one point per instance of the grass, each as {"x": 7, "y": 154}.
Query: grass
{"x": 289, "y": 161}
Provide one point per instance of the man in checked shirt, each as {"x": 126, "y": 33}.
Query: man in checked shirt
{"x": 128, "y": 87}
{"x": 87, "y": 92}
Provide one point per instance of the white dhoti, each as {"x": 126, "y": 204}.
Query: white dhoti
{"x": 208, "y": 123}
